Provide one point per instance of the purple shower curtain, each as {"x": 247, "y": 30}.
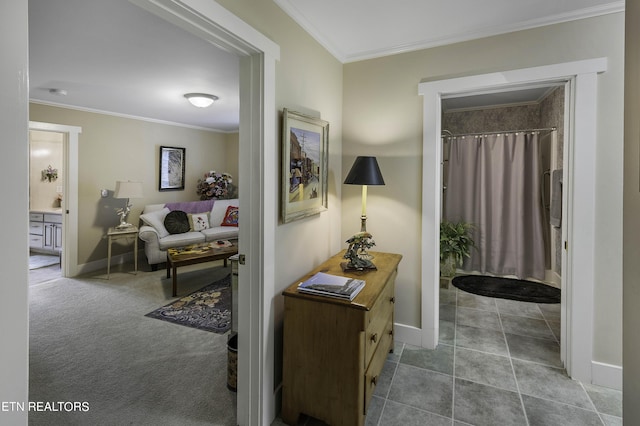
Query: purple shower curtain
{"x": 494, "y": 183}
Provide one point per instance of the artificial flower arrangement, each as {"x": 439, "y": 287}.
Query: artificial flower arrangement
{"x": 50, "y": 174}
{"x": 215, "y": 185}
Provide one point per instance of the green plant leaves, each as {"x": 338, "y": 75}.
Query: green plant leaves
{"x": 455, "y": 241}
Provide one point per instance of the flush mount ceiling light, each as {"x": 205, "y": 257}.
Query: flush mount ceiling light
{"x": 201, "y": 100}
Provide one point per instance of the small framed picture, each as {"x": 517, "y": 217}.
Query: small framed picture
{"x": 305, "y": 143}
{"x": 171, "y": 176}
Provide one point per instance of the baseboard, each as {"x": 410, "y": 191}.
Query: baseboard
{"x": 407, "y": 334}
{"x": 606, "y": 375}
{"x": 97, "y": 265}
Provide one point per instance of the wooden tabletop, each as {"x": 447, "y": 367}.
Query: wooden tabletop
{"x": 386, "y": 264}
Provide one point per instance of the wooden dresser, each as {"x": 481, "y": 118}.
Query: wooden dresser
{"x": 334, "y": 350}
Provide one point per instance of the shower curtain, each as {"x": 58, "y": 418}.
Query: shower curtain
{"x": 493, "y": 182}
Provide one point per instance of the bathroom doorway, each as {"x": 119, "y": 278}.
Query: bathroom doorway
{"x": 53, "y": 200}
{"x": 578, "y": 247}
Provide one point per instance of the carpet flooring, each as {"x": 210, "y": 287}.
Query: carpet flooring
{"x": 506, "y": 288}
{"x": 207, "y": 309}
{"x": 90, "y": 342}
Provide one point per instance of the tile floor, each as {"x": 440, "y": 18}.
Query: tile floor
{"x": 498, "y": 363}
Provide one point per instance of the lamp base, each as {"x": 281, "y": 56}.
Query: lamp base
{"x": 124, "y": 225}
{"x": 348, "y": 267}
{"x": 359, "y": 258}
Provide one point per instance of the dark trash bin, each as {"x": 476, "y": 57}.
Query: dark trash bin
{"x": 232, "y": 363}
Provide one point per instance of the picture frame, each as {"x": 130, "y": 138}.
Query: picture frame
{"x": 172, "y": 168}
{"x": 305, "y": 143}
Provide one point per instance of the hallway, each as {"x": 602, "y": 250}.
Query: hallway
{"x": 498, "y": 363}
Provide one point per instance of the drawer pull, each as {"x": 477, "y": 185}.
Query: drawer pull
{"x": 390, "y": 332}
{"x": 374, "y": 337}
{"x": 374, "y": 380}
{"x": 392, "y": 300}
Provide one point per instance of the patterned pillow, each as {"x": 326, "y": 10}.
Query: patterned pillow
{"x": 230, "y": 217}
{"x": 177, "y": 222}
{"x": 199, "y": 221}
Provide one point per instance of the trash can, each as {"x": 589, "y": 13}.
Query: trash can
{"x": 232, "y": 363}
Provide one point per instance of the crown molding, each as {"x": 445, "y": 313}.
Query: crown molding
{"x": 345, "y": 57}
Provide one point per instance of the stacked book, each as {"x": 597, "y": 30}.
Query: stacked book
{"x": 332, "y": 285}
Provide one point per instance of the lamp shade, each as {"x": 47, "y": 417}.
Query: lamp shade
{"x": 128, "y": 189}
{"x": 365, "y": 171}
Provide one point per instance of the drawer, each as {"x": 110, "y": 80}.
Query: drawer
{"x": 37, "y": 217}
{"x": 373, "y": 373}
{"x": 36, "y": 228}
{"x": 35, "y": 241}
{"x": 377, "y": 319}
{"x": 53, "y": 218}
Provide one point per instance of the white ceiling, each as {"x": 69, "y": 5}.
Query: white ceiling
{"x": 354, "y": 30}
{"x": 111, "y": 56}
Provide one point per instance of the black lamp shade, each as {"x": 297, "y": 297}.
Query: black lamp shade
{"x": 365, "y": 171}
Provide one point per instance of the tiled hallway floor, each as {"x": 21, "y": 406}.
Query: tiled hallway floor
{"x": 498, "y": 363}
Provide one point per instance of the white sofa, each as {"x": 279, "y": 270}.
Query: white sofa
{"x": 157, "y": 239}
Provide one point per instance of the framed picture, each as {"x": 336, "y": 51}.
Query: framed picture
{"x": 305, "y": 143}
{"x": 171, "y": 176}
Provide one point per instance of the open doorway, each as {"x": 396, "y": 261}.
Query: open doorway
{"x": 57, "y": 198}
{"x": 581, "y": 90}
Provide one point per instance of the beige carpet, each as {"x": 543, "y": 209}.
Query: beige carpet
{"x": 90, "y": 342}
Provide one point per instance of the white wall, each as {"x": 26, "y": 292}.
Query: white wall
{"x": 14, "y": 251}
{"x": 383, "y": 117}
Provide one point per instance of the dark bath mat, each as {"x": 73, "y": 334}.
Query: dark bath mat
{"x": 506, "y": 288}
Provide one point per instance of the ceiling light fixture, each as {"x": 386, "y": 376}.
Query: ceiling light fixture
{"x": 201, "y": 100}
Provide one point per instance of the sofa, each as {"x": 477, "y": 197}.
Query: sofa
{"x": 209, "y": 220}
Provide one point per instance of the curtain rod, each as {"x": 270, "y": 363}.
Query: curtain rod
{"x": 450, "y": 135}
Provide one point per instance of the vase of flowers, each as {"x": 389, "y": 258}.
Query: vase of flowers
{"x": 215, "y": 185}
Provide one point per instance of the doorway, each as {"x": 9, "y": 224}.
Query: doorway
{"x": 68, "y": 137}
{"x": 581, "y": 77}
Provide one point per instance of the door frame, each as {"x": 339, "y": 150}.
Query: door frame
{"x": 256, "y": 403}
{"x": 70, "y": 143}
{"x": 578, "y": 198}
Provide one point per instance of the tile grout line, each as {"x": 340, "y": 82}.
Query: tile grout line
{"x": 393, "y": 376}
{"x": 513, "y": 370}
{"x": 453, "y": 368}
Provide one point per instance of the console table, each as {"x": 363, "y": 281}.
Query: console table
{"x": 333, "y": 349}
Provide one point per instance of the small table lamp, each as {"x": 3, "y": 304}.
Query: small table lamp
{"x": 127, "y": 190}
{"x": 365, "y": 171}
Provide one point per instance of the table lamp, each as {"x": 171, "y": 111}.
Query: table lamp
{"x": 365, "y": 171}
{"x": 127, "y": 190}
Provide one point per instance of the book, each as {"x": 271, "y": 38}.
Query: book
{"x": 332, "y": 285}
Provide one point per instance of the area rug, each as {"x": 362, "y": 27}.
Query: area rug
{"x": 506, "y": 288}
{"x": 207, "y": 309}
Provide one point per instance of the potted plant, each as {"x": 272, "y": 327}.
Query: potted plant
{"x": 455, "y": 245}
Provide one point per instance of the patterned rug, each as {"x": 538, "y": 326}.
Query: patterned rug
{"x": 207, "y": 309}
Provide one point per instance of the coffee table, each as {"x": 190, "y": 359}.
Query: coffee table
{"x": 197, "y": 253}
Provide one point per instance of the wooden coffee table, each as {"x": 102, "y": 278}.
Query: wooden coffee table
{"x": 197, "y": 253}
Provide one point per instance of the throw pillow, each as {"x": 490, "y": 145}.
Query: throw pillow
{"x": 199, "y": 221}
{"x": 230, "y": 217}
{"x": 155, "y": 219}
{"x": 177, "y": 222}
